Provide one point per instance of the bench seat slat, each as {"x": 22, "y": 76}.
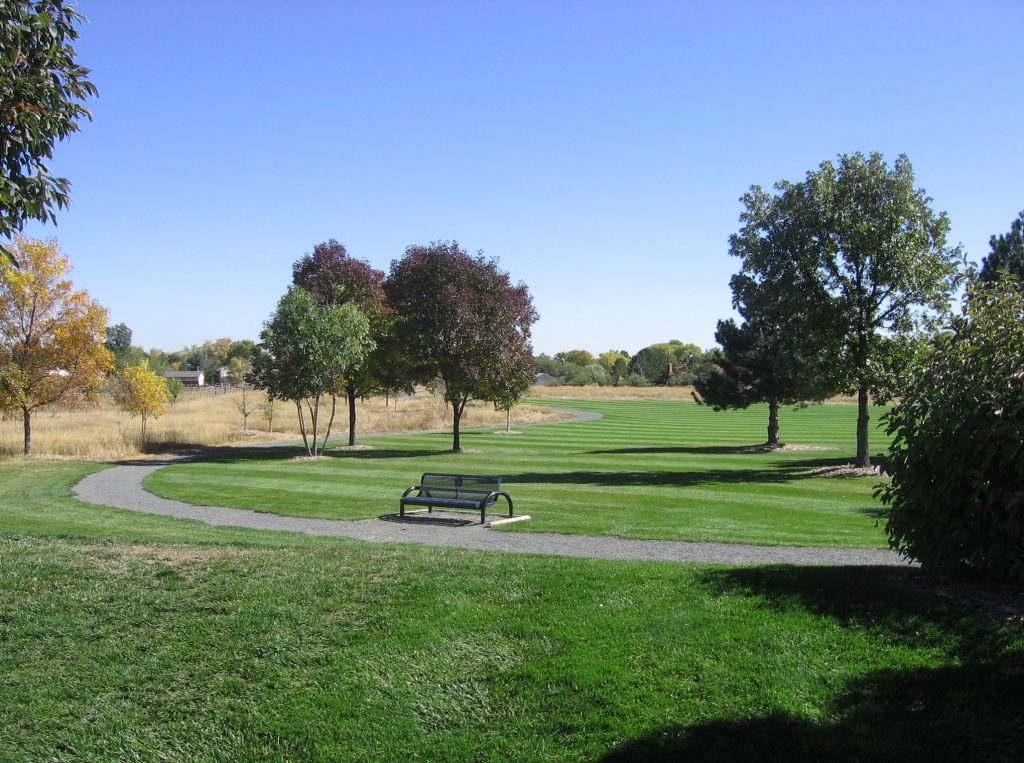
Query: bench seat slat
{"x": 451, "y": 503}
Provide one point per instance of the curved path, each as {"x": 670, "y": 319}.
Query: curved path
{"x": 121, "y": 487}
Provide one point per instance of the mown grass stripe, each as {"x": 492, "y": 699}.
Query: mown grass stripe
{"x": 647, "y": 469}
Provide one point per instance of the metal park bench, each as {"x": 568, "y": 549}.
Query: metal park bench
{"x": 455, "y": 491}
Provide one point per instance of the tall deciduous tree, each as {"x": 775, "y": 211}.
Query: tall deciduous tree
{"x": 461, "y": 319}
{"x": 42, "y": 96}
{"x": 140, "y": 392}
{"x": 777, "y": 354}
{"x": 305, "y": 351}
{"x": 335, "y": 278}
{"x": 119, "y": 342}
{"x": 51, "y": 336}
{"x": 869, "y": 260}
{"x": 1007, "y": 255}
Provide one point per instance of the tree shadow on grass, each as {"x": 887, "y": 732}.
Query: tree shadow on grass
{"x": 787, "y": 472}
{"x": 712, "y": 450}
{"x": 955, "y": 713}
{"x": 969, "y": 709}
{"x": 285, "y": 452}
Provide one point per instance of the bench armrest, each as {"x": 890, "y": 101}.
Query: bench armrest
{"x": 409, "y": 490}
{"x": 494, "y": 496}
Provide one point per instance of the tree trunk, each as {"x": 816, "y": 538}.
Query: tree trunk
{"x": 350, "y": 392}
{"x": 330, "y": 423}
{"x": 773, "y": 424}
{"x": 302, "y": 425}
{"x": 863, "y": 457}
{"x": 143, "y": 429}
{"x": 457, "y": 409}
{"x": 314, "y": 423}
{"x": 26, "y": 416}
{"x": 508, "y": 420}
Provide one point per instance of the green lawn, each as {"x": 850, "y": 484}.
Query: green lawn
{"x": 648, "y": 469}
{"x": 129, "y": 637}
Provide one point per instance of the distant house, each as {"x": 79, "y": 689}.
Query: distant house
{"x": 542, "y": 379}
{"x": 188, "y": 378}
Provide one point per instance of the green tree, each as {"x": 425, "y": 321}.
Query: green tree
{"x": 158, "y": 362}
{"x": 305, "y": 351}
{"x": 42, "y": 96}
{"x": 140, "y": 392}
{"x": 119, "y": 338}
{"x": 1007, "y": 255}
{"x": 461, "y": 318}
{"x": 610, "y": 359}
{"x": 652, "y": 363}
{"x": 174, "y": 387}
{"x": 756, "y": 363}
{"x": 869, "y": 261}
{"x": 620, "y": 371}
{"x": 119, "y": 342}
{"x": 956, "y": 497}
{"x": 241, "y": 348}
{"x": 335, "y": 278}
{"x": 578, "y": 357}
{"x": 545, "y": 364}
{"x": 506, "y": 383}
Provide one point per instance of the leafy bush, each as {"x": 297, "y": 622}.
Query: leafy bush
{"x": 956, "y": 499}
{"x": 174, "y": 387}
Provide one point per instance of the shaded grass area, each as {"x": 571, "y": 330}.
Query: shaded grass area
{"x": 128, "y": 637}
{"x": 649, "y": 469}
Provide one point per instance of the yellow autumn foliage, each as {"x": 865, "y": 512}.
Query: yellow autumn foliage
{"x": 140, "y": 392}
{"x": 51, "y": 336}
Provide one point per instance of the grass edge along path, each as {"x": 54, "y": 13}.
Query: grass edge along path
{"x": 648, "y": 470}
{"x": 122, "y": 487}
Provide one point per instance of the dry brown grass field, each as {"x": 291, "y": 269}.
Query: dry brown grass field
{"x": 210, "y": 417}
{"x": 635, "y": 393}
{"x": 207, "y": 417}
{"x": 614, "y": 393}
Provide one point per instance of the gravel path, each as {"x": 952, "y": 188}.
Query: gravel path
{"x": 121, "y": 487}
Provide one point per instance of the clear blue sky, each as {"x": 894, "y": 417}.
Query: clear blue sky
{"x": 598, "y": 149}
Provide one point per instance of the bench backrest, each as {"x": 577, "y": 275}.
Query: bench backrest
{"x": 460, "y": 485}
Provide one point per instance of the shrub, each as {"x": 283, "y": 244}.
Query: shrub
{"x": 956, "y": 499}
{"x": 174, "y": 388}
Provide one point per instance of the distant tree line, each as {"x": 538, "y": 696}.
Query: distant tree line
{"x": 671, "y": 363}
{"x": 208, "y": 357}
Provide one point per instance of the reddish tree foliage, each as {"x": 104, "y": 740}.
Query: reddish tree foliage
{"x": 461, "y": 319}
{"x": 335, "y": 278}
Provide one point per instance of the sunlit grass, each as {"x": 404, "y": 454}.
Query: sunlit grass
{"x": 652, "y": 469}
